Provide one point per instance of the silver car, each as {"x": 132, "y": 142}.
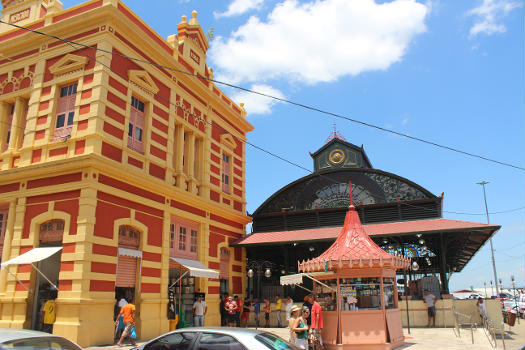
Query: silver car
{"x": 23, "y": 339}
{"x": 219, "y": 338}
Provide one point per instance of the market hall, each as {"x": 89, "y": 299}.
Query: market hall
{"x": 302, "y": 219}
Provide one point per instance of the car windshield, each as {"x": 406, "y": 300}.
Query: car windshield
{"x": 273, "y": 342}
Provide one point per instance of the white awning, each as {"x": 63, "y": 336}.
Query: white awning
{"x": 297, "y": 279}
{"x": 292, "y": 279}
{"x": 130, "y": 252}
{"x": 195, "y": 268}
{"x": 34, "y": 255}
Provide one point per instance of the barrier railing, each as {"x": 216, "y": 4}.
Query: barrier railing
{"x": 463, "y": 320}
{"x": 491, "y": 330}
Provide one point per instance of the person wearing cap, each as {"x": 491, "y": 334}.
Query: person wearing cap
{"x": 294, "y": 314}
{"x": 301, "y": 329}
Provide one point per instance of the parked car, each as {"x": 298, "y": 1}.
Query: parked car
{"x": 219, "y": 338}
{"x": 28, "y": 340}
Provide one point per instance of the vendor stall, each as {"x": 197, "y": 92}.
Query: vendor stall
{"x": 182, "y": 288}
{"x": 359, "y": 297}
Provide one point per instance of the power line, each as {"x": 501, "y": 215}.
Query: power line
{"x": 72, "y": 43}
{"x": 464, "y": 213}
{"x": 315, "y": 109}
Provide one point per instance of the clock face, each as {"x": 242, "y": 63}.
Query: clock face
{"x": 337, "y": 156}
{"x": 338, "y": 196}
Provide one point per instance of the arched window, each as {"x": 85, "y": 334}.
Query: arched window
{"x": 51, "y": 231}
{"x": 128, "y": 237}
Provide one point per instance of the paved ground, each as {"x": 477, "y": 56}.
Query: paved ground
{"x": 426, "y": 339}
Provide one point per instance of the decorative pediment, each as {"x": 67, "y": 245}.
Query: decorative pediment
{"x": 228, "y": 141}
{"x": 67, "y": 64}
{"x": 143, "y": 79}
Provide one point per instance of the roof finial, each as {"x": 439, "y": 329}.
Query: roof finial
{"x": 335, "y": 135}
{"x": 351, "y": 195}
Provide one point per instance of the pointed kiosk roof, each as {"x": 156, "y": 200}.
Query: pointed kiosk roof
{"x": 353, "y": 248}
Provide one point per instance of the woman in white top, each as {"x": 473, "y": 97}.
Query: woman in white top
{"x": 294, "y": 314}
{"x": 289, "y": 304}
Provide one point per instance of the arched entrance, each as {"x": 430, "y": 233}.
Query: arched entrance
{"x": 129, "y": 261}
{"x": 50, "y": 235}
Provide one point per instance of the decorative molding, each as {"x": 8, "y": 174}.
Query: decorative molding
{"x": 142, "y": 79}
{"x": 16, "y": 81}
{"x": 228, "y": 141}
{"x": 67, "y": 64}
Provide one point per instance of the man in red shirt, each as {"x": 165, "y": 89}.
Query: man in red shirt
{"x": 317, "y": 319}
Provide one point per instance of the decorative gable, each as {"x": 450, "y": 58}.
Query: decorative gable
{"x": 68, "y": 63}
{"x": 228, "y": 141}
{"x": 143, "y": 79}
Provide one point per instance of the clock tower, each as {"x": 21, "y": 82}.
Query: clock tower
{"x": 337, "y": 153}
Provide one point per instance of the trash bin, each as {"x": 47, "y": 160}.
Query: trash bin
{"x": 512, "y": 318}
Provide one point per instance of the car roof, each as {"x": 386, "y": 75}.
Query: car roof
{"x": 234, "y": 332}
{"x": 225, "y": 330}
{"x": 8, "y": 334}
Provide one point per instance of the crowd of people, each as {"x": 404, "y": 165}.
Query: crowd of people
{"x": 304, "y": 323}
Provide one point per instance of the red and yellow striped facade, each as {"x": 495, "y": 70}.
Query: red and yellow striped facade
{"x": 87, "y": 170}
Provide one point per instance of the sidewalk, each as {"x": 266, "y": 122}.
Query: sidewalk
{"x": 422, "y": 339}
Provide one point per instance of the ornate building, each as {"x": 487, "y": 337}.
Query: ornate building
{"x": 132, "y": 173}
{"x": 303, "y": 219}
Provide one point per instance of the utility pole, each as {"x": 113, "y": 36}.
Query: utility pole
{"x": 483, "y": 183}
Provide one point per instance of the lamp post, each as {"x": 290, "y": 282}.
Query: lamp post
{"x": 483, "y": 183}
{"x": 485, "y": 284}
{"x": 258, "y": 268}
{"x": 491, "y": 288}
{"x": 414, "y": 267}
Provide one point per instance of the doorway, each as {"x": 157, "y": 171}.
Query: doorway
{"x": 50, "y": 235}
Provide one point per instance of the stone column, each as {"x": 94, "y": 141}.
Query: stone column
{"x": 6, "y": 252}
{"x": 178, "y": 156}
{"x": 18, "y": 125}
{"x": 190, "y": 162}
{"x": 5, "y": 109}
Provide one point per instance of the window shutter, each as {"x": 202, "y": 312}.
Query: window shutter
{"x": 224, "y": 267}
{"x": 225, "y": 174}
{"x": 126, "y": 271}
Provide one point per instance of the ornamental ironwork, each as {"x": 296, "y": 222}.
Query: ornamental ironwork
{"x": 330, "y": 190}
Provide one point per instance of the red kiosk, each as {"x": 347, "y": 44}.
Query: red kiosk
{"x": 357, "y": 290}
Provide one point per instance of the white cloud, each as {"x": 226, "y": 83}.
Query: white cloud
{"x": 319, "y": 41}
{"x": 257, "y": 104}
{"x": 488, "y": 14}
{"x": 238, "y": 7}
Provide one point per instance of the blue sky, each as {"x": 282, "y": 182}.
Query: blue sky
{"x": 451, "y": 72}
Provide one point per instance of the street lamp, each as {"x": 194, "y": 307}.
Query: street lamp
{"x": 258, "y": 268}
{"x": 415, "y": 267}
{"x": 485, "y": 284}
{"x": 483, "y": 183}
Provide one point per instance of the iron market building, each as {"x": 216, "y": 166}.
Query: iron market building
{"x": 302, "y": 219}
